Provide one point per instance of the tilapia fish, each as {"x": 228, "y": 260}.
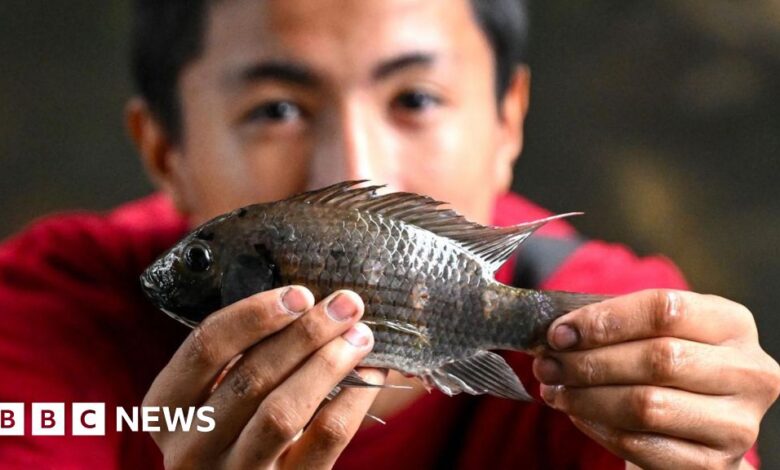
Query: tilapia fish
{"x": 425, "y": 274}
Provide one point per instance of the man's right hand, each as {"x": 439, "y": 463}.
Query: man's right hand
{"x": 293, "y": 354}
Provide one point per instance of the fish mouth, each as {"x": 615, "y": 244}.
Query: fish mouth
{"x": 158, "y": 282}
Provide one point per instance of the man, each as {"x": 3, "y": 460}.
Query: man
{"x": 254, "y": 100}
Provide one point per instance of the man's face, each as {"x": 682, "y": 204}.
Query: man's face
{"x": 291, "y": 95}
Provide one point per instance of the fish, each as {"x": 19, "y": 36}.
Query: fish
{"x": 424, "y": 272}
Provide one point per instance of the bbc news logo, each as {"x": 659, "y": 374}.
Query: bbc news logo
{"x": 89, "y": 419}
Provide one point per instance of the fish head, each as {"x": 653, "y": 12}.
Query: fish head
{"x": 185, "y": 282}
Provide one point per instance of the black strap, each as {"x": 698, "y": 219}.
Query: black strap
{"x": 539, "y": 257}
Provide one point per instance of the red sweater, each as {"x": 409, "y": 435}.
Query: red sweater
{"x": 74, "y": 327}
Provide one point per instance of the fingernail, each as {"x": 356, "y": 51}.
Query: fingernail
{"x": 550, "y": 392}
{"x": 564, "y": 337}
{"x": 295, "y": 301}
{"x": 358, "y": 336}
{"x": 341, "y": 308}
{"x": 548, "y": 371}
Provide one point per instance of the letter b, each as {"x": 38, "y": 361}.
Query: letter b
{"x": 11, "y": 419}
{"x": 48, "y": 419}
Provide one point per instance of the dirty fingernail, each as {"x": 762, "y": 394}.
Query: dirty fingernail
{"x": 358, "y": 336}
{"x": 548, "y": 371}
{"x": 295, "y": 300}
{"x": 550, "y": 392}
{"x": 341, "y": 308}
{"x": 564, "y": 337}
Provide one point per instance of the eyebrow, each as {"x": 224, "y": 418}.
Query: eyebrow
{"x": 281, "y": 71}
{"x": 300, "y": 74}
{"x": 397, "y": 64}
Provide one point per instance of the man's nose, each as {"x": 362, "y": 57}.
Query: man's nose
{"x": 355, "y": 146}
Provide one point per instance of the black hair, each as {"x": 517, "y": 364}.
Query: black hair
{"x": 168, "y": 34}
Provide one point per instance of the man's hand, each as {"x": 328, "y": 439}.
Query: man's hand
{"x": 664, "y": 379}
{"x": 293, "y": 354}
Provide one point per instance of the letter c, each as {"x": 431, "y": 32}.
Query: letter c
{"x": 84, "y": 420}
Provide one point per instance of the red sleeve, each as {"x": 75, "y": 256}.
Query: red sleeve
{"x": 72, "y": 329}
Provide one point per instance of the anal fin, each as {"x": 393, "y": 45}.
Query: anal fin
{"x": 334, "y": 393}
{"x": 353, "y": 379}
{"x": 484, "y": 372}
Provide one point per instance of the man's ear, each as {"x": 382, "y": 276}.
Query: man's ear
{"x": 512, "y": 111}
{"x": 159, "y": 155}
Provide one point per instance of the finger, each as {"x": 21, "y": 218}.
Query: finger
{"x": 718, "y": 422}
{"x": 267, "y": 364}
{"x": 650, "y": 314}
{"x": 652, "y": 451}
{"x": 286, "y": 410}
{"x": 187, "y": 378}
{"x": 335, "y": 425}
{"x": 672, "y": 362}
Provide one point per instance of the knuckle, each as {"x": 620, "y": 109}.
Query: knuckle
{"x": 629, "y": 443}
{"x": 737, "y": 311}
{"x": 665, "y": 358}
{"x": 279, "y": 420}
{"x": 201, "y": 348}
{"x": 765, "y": 377}
{"x": 708, "y": 459}
{"x": 721, "y": 460}
{"x": 648, "y": 408}
{"x": 774, "y": 378}
{"x": 669, "y": 308}
{"x": 742, "y": 435}
{"x": 309, "y": 330}
{"x": 604, "y": 326}
{"x": 332, "y": 431}
{"x": 743, "y": 313}
{"x": 590, "y": 371}
{"x": 747, "y": 437}
{"x": 248, "y": 380}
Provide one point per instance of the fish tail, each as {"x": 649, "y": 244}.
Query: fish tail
{"x": 517, "y": 319}
{"x": 525, "y": 314}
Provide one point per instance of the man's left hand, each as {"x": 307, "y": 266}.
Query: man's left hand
{"x": 664, "y": 379}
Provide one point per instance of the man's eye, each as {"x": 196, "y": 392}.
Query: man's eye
{"x": 416, "y": 101}
{"x": 275, "y": 111}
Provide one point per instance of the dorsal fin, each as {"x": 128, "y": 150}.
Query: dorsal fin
{"x": 493, "y": 245}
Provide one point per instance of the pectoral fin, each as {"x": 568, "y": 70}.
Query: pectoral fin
{"x": 401, "y": 327}
{"x": 484, "y": 372}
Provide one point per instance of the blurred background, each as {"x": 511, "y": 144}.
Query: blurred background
{"x": 659, "y": 119}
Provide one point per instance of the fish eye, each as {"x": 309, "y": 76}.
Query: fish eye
{"x": 197, "y": 257}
